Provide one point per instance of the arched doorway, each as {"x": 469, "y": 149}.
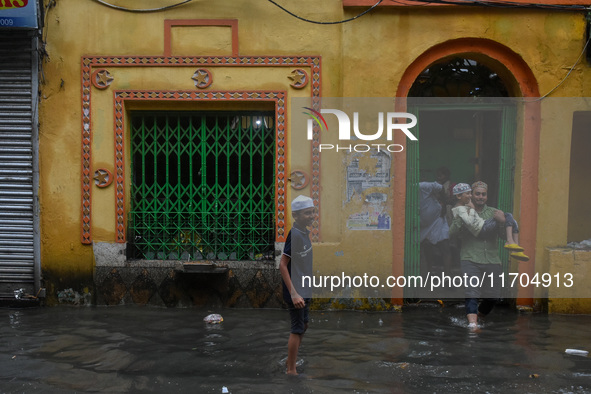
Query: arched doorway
{"x": 463, "y": 138}
{"x": 520, "y": 82}
{"x": 471, "y": 139}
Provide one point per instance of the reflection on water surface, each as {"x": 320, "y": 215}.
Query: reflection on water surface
{"x": 422, "y": 350}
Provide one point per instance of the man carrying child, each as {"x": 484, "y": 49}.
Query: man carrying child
{"x": 478, "y": 227}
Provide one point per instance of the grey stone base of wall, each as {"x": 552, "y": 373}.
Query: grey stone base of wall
{"x": 171, "y": 283}
{"x": 242, "y": 285}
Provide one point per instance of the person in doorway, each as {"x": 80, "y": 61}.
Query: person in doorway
{"x": 474, "y": 223}
{"x": 296, "y": 262}
{"x": 443, "y": 177}
{"x": 478, "y": 254}
{"x": 434, "y": 230}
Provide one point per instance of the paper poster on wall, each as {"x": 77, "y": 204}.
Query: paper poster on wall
{"x": 360, "y": 179}
{"x": 373, "y": 218}
{"x": 368, "y": 181}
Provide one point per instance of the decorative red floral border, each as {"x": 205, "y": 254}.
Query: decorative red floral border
{"x": 87, "y": 63}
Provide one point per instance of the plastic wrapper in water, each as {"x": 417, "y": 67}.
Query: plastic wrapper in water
{"x": 577, "y": 352}
{"x": 214, "y": 318}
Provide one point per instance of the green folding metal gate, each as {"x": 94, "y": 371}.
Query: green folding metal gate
{"x": 505, "y": 192}
{"x": 203, "y": 185}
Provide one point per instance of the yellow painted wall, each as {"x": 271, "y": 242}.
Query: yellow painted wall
{"x": 75, "y": 29}
{"x": 363, "y": 58}
{"x": 574, "y": 299}
{"x": 392, "y": 39}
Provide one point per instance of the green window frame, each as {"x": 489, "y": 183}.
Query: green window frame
{"x": 203, "y": 185}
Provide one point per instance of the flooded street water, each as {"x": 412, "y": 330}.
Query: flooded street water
{"x": 422, "y": 350}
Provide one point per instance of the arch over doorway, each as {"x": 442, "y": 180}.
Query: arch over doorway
{"x": 521, "y": 82}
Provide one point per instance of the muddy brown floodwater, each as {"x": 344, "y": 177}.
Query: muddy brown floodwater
{"x": 129, "y": 349}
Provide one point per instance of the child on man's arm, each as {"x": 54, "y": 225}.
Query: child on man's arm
{"x": 474, "y": 223}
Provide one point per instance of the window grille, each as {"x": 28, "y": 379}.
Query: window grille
{"x": 203, "y": 186}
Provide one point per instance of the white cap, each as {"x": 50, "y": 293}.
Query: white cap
{"x": 301, "y": 202}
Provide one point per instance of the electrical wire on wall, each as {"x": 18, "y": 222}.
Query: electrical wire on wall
{"x": 326, "y": 23}
{"x": 565, "y": 77}
{"x": 42, "y": 51}
{"x": 270, "y": 1}
{"x": 487, "y": 3}
{"x": 117, "y": 7}
{"x": 495, "y": 4}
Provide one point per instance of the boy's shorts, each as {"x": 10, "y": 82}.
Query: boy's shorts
{"x": 299, "y": 317}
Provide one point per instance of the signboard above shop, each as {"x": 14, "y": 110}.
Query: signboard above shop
{"x": 18, "y": 14}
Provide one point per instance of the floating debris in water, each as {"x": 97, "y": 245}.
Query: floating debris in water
{"x": 214, "y": 318}
{"x": 18, "y": 294}
{"x": 577, "y": 352}
{"x": 70, "y": 296}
